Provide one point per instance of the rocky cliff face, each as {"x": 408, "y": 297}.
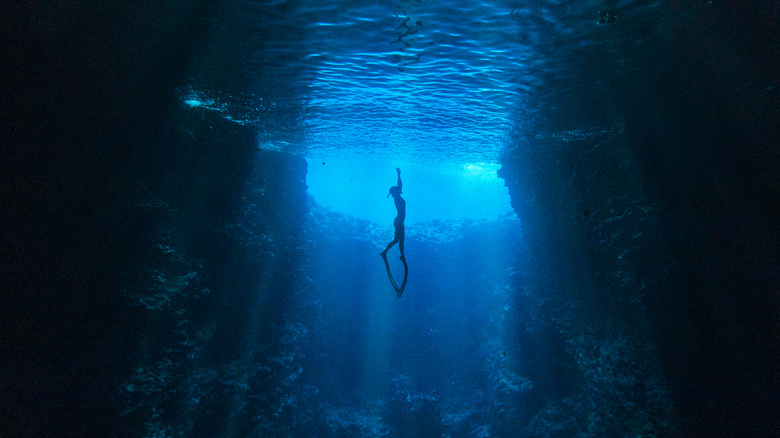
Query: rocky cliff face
{"x": 654, "y": 227}
{"x": 209, "y": 292}
{"x": 134, "y": 262}
{"x": 596, "y": 253}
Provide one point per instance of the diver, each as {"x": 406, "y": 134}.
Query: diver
{"x": 398, "y": 223}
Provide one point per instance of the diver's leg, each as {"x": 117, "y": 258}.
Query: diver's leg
{"x": 400, "y": 235}
{"x": 389, "y": 245}
{"x": 397, "y": 237}
{"x": 390, "y": 274}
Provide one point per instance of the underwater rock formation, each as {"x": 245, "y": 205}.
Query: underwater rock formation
{"x": 659, "y": 253}
{"x": 229, "y": 219}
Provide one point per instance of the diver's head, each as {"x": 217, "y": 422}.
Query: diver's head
{"x": 395, "y": 191}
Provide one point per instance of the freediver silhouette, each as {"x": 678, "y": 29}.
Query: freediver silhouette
{"x": 398, "y": 223}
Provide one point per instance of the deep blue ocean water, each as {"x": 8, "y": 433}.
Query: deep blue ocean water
{"x": 197, "y": 202}
{"x": 365, "y": 88}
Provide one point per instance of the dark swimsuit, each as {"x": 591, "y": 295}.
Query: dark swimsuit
{"x": 399, "y": 229}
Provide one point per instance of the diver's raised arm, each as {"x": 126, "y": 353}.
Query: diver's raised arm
{"x": 400, "y": 186}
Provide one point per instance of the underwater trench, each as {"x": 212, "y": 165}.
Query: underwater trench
{"x": 280, "y": 318}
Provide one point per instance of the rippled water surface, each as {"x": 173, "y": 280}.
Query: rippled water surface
{"x": 432, "y": 82}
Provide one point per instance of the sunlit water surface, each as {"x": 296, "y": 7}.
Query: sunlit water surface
{"x": 436, "y": 89}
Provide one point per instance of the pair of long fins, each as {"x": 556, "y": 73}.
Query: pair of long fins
{"x": 398, "y": 290}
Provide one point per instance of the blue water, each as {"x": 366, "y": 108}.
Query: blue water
{"x": 358, "y": 187}
{"x": 426, "y": 88}
{"x": 413, "y": 81}
{"x": 438, "y": 90}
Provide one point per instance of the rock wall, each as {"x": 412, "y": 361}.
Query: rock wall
{"x": 208, "y": 294}
{"x": 593, "y": 252}
{"x": 659, "y": 226}
{"x": 132, "y": 230}
{"x": 86, "y": 89}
